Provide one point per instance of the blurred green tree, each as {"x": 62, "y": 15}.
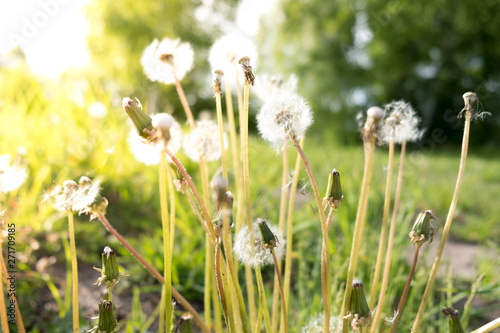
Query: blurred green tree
{"x": 119, "y": 32}
{"x": 350, "y": 55}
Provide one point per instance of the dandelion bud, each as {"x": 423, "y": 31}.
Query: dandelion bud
{"x": 333, "y": 195}
{"x": 217, "y": 86}
{"x": 453, "y": 315}
{"x": 360, "y": 312}
{"x": 107, "y": 321}
{"x": 141, "y": 120}
{"x": 268, "y": 238}
{"x": 185, "y": 323}
{"x": 110, "y": 273}
{"x": 422, "y": 230}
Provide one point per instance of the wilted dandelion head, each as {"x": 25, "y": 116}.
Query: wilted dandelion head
{"x": 401, "y": 123}
{"x": 284, "y": 116}
{"x": 97, "y": 110}
{"x": 203, "y": 140}
{"x": 71, "y": 196}
{"x": 227, "y": 51}
{"x": 255, "y": 254}
{"x": 316, "y": 323}
{"x": 11, "y": 176}
{"x": 166, "y": 60}
{"x": 149, "y": 152}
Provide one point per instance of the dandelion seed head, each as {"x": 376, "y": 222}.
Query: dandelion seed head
{"x": 272, "y": 85}
{"x": 401, "y": 123}
{"x": 255, "y": 254}
{"x": 97, "y": 110}
{"x": 284, "y": 116}
{"x": 228, "y": 50}
{"x": 73, "y": 196}
{"x": 204, "y": 140}
{"x": 166, "y": 60}
{"x": 316, "y": 323}
{"x": 11, "y": 176}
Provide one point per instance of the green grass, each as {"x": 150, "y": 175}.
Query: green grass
{"x": 62, "y": 142}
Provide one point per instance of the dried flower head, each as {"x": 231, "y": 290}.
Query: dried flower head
{"x": 423, "y": 229}
{"x": 167, "y": 60}
{"x": 272, "y": 85}
{"x": 473, "y": 105}
{"x": 11, "y": 176}
{"x": 360, "y": 314}
{"x": 371, "y": 127}
{"x": 315, "y": 325}
{"x": 149, "y": 152}
{"x": 106, "y": 321}
{"x": 217, "y": 86}
{"x": 203, "y": 140}
{"x": 74, "y": 197}
{"x": 255, "y": 254}
{"x": 283, "y": 117}
{"x": 227, "y": 51}
{"x": 97, "y": 110}
{"x": 401, "y": 123}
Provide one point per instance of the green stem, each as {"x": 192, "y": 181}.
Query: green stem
{"x": 289, "y": 233}
{"x": 325, "y": 262}
{"x": 220, "y": 287}
{"x": 221, "y": 134}
{"x": 392, "y": 231}
{"x": 263, "y": 299}
{"x": 74, "y": 269}
{"x": 383, "y": 232}
{"x": 405, "y": 291}
{"x": 280, "y": 283}
{"x": 488, "y": 327}
{"x": 166, "y": 309}
{"x": 358, "y": 228}
{"x": 447, "y": 225}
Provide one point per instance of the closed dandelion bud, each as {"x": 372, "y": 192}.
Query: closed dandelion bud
{"x": 141, "y": 120}
{"x": 333, "y": 195}
{"x": 360, "y": 312}
{"x": 268, "y": 238}
{"x": 454, "y": 323}
{"x": 422, "y": 230}
{"x": 185, "y": 323}
{"x": 107, "y": 322}
{"x": 110, "y": 273}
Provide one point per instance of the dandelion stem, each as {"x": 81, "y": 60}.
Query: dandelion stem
{"x": 447, "y": 225}
{"x": 12, "y": 297}
{"x": 208, "y": 278}
{"x": 289, "y": 226}
{"x": 280, "y": 282}
{"x": 358, "y": 227}
{"x": 392, "y": 231}
{"x": 263, "y": 299}
{"x": 488, "y": 327}
{"x": 220, "y": 287}
{"x": 221, "y": 134}
{"x": 3, "y": 309}
{"x": 383, "y": 231}
{"x": 184, "y": 101}
{"x": 166, "y": 308}
{"x": 153, "y": 272}
{"x": 325, "y": 262}
{"x": 281, "y": 226}
{"x": 74, "y": 269}
{"x": 405, "y": 290}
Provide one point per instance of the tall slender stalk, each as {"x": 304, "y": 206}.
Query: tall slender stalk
{"x": 12, "y": 297}
{"x": 392, "y": 231}
{"x": 166, "y": 307}
{"x": 488, "y": 327}
{"x": 280, "y": 284}
{"x": 263, "y": 299}
{"x": 325, "y": 262}
{"x": 74, "y": 269}
{"x": 184, "y": 101}
{"x": 221, "y": 134}
{"x": 281, "y": 226}
{"x": 289, "y": 233}
{"x": 358, "y": 227}
{"x": 447, "y": 225}
{"x": 102, "y": 218}
{"x": 383, "y": 231}
{"x": 3, "y": 309}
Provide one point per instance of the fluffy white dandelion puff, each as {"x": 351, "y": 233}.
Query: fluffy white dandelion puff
{"x": 256, "y": 254}
{"x": 11, "y": 176}
{"x": 148, "y": 152}
{"x": 272, "y": 85}
{"x": 284, "y": 116}
{"x": 73, "y": 196}
{"x": 316, "y": 323}
{"x": 203, "y": 140}
{"x": 228, "y": 50}
{"x": 401, "y": 123}
{"x": 166, "y": 60}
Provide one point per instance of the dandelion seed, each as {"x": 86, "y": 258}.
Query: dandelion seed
{"x": 227, "y": 51}
{"x": 97, "y": 110}
{"x": 256, "y": 254}
{"x": 204, "y": 141}
{"x": 283, "y": 117}
{"x": 316, "y": 323}
{"x": 272, "y": 85}
{"x": 167, "y": 60}
{"x": 401, "y": 123}
{"x": 148, "y": 152}
{"x": 11, "y": 176}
